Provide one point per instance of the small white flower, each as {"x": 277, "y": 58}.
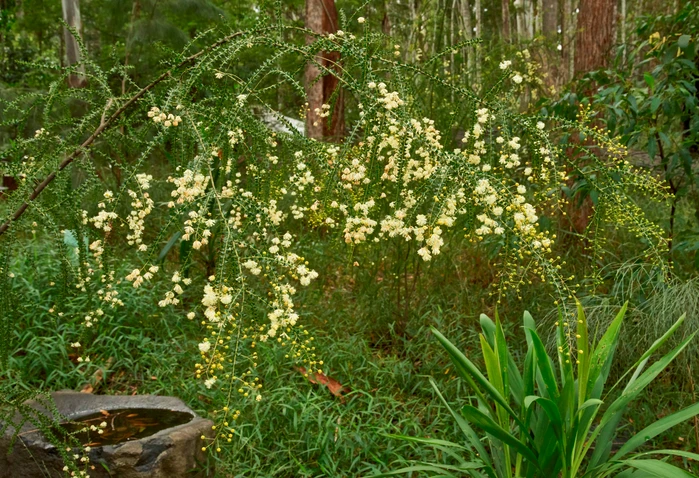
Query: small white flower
{"x": 361, "y": 20}
{"x": 205, "y": 346}
{"x": 517, "y": 78}
{"x": 504, "y": 65}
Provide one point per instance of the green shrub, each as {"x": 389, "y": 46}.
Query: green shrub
{"x": 552, "y": 417}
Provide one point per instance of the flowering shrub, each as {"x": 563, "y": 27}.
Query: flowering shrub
{"x": 241, "y": 196}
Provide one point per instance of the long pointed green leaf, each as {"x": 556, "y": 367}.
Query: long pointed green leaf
{"x": 603, "y": 354}
{"x": 471, "y": 373}
{"x": 503, "y": 356}
{"x": 682, "y": 453}
{"x": 513, "y": 378}
{"x": 434, "y": 468}
{"x": 545, "y": 368}
{"x": 658, "y": 468}
{"x": 608, "y": 424}
{"x": 643, "y": 360}
{"x": 468, "y": 432}
{"x": 488, "y": 328}
{"x": 480, "y": 419}
{"x": 551, "y": 411}
{"x": 583, "y": 354}
{"x": 656, "y": 429}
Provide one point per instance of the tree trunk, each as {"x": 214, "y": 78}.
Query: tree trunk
{"x": 595, "y": 35}
{"x": 530, "y": 19}
{"x": 477, "y": 48}
{"x": 550, "y": 55}
{"x": 468, "y": 35}
{"x": 623, "y": 31}
{"x": 549, "y": 23}
{"x": 567, "y": 39}
{"x": 506, "y": 32}
{"x": 71, "y": 15}
{"x": 519, "y": 18}
{"x": 321, "y": 17}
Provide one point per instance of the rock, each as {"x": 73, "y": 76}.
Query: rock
{"x": 170, "y": 453}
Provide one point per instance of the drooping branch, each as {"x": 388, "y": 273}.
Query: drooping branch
{"x": 105, "y": 124}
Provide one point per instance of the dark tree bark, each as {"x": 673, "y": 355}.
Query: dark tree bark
{"x": 595, "y": 36}
{"x": 321, "y": 17}
{"x": 71, "y": 15}
{"x": 593, "y": 43}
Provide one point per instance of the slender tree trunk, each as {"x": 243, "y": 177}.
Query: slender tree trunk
{"x": 593, "y": 42}
{"x": 321, "y": 17}
{"x": 71, "y": 15}
{"x": 477, "y": 48}
{"x": 549, "y": 21}
{"x": 549, "y": 30}
{"x": 623, "y": 31}
{"x": 452, "y": 58}
{"x": 519, "y": 18}
{"x": 569, "y": 23}
{"x": 595, "y": 34}
{"x": 506, "y": 30}
{"x": 468, "y": 34}
{"x": 530, "y": 18}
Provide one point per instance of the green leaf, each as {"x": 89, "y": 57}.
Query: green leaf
{"x": 488, "y": 327}
{"x": 545, "y": 368}
{"x": 426, "y": 441}
{"x": 656, "y": 429}
{"x": 503, "y": 357}
{"x": 551, "y": 411}
{"x": 471, "y": 374}
{"x": 682, "y": 453}
{"x": 608, "y": 424}
{"x": 654, "y": 104}
{"x": 583, "y": 344}
{"x": 643, "y": 360}
{"x": 478, "y": 418}
{"x": 444, "y": 469}
{"x": 495, "y": 376}
{"x": 592, "y": 402}
{"x": 169, "y": 245}
{"x": 658, "y": 468}
{"x": 469, "y": 433}
{"x": 683, "y": 41}
{"x": 650, "y": 81}
{"x": 603, "y": 354}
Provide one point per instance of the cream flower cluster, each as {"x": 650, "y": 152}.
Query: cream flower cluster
{"x": 357, "y": 228}
{"x": 235, "y": 136}
{"x": 216, "y": 298}
{"x": 171, "y": 296}
{"x": 160, "y": 117}
{"x": 137, "y": 279}
{"x": 142, "y": 206}
{"x": 189, "y": 187}
{"x": 104, "y": 219}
